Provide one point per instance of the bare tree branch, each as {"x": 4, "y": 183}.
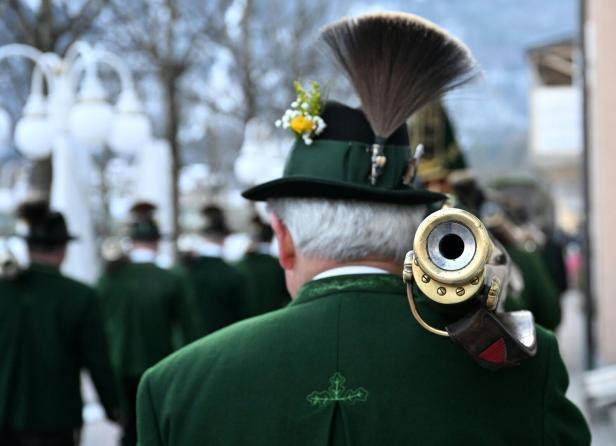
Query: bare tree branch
{"x": 22, "y": 21}
{"x": 83, "y": 19}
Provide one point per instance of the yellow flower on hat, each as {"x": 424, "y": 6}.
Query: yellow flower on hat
{"x": 302, "y": 124}
{"x": 303, "y": 117}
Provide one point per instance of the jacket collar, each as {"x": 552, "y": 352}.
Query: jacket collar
{"x": 205, "y": 248}
{"x": 142, "y": 255}
{"x": 45, "y": 268}
{"x": 371, "y": 283}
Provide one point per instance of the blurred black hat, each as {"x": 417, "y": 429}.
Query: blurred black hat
{"x": 215, "y": 226}
{"x": 260, "y": 231}
{"x": 39, "y": 224}
{"x": 142, "y": 226}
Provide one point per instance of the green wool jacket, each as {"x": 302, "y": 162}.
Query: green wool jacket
{"x": 266, "y": 289}
{"x": 540, "y": 295}
{"x": 219, "y": 290}
{"x": 346, "y": 364}
{"x": 553, "y": 256}
{"x": 147, "y": 312}
{"x": 50, "y": 329}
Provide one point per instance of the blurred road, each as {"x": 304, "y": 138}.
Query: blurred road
{"x": 98, "y": 432}
{"x": 571, "y": 340}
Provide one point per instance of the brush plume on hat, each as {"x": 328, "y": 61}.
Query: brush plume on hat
{"x": 42, "y": 226}
{"x": 397, "y": 63}
{"x": 142, "y": 210}
{"x": 34, "y": 211}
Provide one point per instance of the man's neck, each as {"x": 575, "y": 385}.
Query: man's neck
{"x": 142, "y": 255}
{"x": 307, "y": 268}
{"x": 390, "y": 267}
{"x": 50, "y": 260}
{"x": 208, "y": 248}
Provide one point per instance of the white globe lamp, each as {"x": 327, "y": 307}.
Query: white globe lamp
{"x": 34, "y": 132}
{"x": 90, "y": 118}
{"x": 130, "y": 127}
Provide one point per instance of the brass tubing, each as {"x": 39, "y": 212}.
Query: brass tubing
{"x": 417, "y": 316}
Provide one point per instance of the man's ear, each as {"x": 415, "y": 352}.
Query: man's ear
{"x": 286, "y": 247}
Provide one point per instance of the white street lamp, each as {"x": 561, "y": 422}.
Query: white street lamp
{"x": 34, "y": 132}
{"x": 57, "y": 125}
{"x": 130, "y": 128}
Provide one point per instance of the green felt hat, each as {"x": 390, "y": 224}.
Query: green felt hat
{"x": 396, "y": 63}
{"x": 215, "y": 225}
{"x": 41, "y": 225}
{"x": 337, "y": 165}
{"x": 143, "y": 227}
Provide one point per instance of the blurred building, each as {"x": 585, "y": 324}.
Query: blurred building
{"x": 556, "y": 136}
{"x": 557, "y": 141}
{"x": 599, "y": 36}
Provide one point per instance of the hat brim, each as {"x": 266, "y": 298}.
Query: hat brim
{"x": 158, "y": 238}
{"x": 304, "y": 187}
{"x": 66, "y": 239}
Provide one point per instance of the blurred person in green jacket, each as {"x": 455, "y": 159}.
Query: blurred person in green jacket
{"x": 539, "y": 293}
{"x": 50, "y": 330}
{"x": 265, "y": 285}
{"x": 529, "y": 236}
{"x": 147, "y": 311}
{"x": 532, "y": 287}
{"x": 553, "y": 254}
{"x": 218, "y": 287}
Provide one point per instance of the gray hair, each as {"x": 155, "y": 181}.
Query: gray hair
{"x": 348, "y": 230}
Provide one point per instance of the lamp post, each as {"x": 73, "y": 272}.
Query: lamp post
{"x": 74, "y": 114}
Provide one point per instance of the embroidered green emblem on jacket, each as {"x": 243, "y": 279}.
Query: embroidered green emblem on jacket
{"x": 337, "y": 392}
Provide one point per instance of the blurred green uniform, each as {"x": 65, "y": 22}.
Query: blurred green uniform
{"x": 266, "y": 289}
{"x": 142, "y": 306}
{"x": 147, "y": 315}
{"x": 539, "y": 294}
{"x": 219, "y": 290}
{"x": 553, "y": 256}
{"x": 147, "y": 311}
{"x": 50, "y": 329}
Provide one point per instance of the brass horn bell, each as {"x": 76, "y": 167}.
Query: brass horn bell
{"x": 464, "y": 274}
